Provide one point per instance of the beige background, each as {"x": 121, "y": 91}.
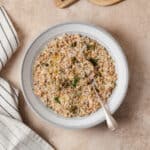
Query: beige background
{"x": 129, "y": 22}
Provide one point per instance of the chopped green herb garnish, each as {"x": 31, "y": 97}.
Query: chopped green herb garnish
{"x": 75, "y": 81}
{"x": 93, "y": 61}
{"x": 100, "y": 74}
{"x": 74, "y": 60}
{"x": 74, "y": 44}
{"x": 57, "y": 100}
{"x": 91, "y": 47}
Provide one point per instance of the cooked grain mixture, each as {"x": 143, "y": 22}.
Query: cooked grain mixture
{"x": 63, "y": 71}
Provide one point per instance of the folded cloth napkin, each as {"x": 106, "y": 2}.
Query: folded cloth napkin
{"x": 14, "y": 134}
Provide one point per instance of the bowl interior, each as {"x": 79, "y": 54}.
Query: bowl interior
{"x": 101, "y": 36}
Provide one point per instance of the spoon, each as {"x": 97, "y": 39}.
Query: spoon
{"x": 111, "y": 122}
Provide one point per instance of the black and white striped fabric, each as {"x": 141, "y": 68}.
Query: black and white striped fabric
{"x": 14, "y": 134}
{"x": 8, "y": 38}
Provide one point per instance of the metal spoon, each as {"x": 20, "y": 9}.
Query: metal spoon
{"x": 111, "y": 122}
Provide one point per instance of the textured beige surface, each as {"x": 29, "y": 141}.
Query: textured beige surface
{"x": 129, "y": 22}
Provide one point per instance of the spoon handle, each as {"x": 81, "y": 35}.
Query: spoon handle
{"x": 111, "y": 122}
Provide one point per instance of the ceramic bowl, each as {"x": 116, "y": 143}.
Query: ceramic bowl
{"x": 101, "y": 36}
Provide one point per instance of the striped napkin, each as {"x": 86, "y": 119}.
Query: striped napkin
{"x": 14, "y": 134}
